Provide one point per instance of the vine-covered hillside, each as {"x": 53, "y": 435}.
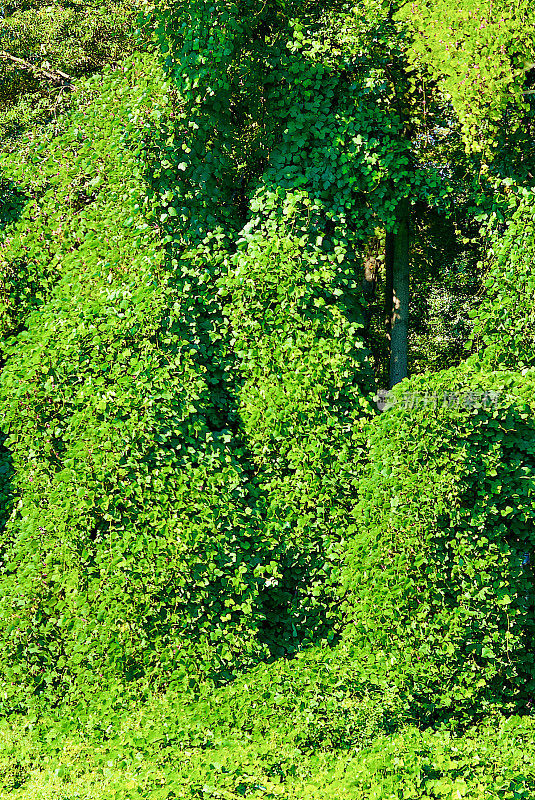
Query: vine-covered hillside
{"x": 243, "y": 552}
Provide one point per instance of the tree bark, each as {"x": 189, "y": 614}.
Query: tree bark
{"x": 389, "y": 290}
{"x": 389, "y": 281}
{"x": 397, "y": 294}
{"x": 369, "y": 284}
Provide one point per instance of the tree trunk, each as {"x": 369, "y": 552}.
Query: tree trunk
{"x": 397, "y": 294}
{"x": 389, "y": 290}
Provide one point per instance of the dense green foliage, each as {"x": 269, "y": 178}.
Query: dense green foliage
{"x": 183, "y": 472}
{"x": 304, "y": 104}
{"x": 50, "y": 45}
{"x": 439, "y": 570}
{"x": 504, "y": 332}
{"x": 479, "y": 53}
{"x": 241, "y": 743}
{"x": 65, "y": 187}
{"x": 222, "y": 574}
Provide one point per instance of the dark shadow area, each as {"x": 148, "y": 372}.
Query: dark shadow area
{"x": 12, "y": 202}
{"x": 6, "y": 491}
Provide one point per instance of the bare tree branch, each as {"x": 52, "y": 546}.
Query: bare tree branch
{"x": 57, "y": 75}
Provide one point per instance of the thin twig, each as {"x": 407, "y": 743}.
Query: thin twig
{"x": 58, "y": 76}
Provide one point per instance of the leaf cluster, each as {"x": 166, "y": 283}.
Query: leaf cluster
{"x": 478, "y": 53}
{"x": 504, "y": 323}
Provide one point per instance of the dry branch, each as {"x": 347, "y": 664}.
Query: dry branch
{"x": 57, "y": 75}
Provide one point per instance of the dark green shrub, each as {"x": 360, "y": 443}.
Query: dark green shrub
{"x": 440, "y": 570}
{"x": 302, "y": 405}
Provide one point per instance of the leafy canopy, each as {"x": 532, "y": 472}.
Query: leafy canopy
{"x": 478, "y": 53}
